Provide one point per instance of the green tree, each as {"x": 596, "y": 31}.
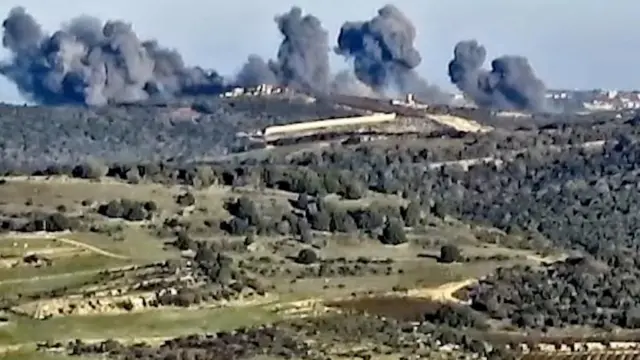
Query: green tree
{"x": 393, "y": 233}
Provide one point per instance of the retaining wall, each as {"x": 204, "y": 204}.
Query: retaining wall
{"x": 329, "y": 123}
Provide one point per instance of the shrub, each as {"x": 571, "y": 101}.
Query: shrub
{"x": 393, "y": 233}
{"x": 186, "y": 199}
{"x": 249, "y": 239}
{"x": 135, "y": 213}
{"x": 302, "y": 202}
{"x": 133, "y": 176}
{"x": 89, "y": 170}
{"x": 124, "y": 209}
{"x": 245, "y": 209}
{"x": 150, "y": 206}
{"x": 320, "y": 220}
{"x": 183, "y": 241}
{"x": 45, "y": 222}
{"x": 236, "y": 226}
{"x": 352, "y": 191}
{"x": 59, "y": 222}
{"x": 306, "y": 257}
{"x": 341, "y": 221}
{"x": 412, "y": 214}
{"x": 367, "y": 219}
{"x": 112, "y": 209}
{"x": 449, "y": 254}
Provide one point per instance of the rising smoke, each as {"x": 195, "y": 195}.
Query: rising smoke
{"x": 383, "y": 54}
{"x": 94, "y": 63}
{"x": 511, "y": 83}
{"x": 302, "y": 60}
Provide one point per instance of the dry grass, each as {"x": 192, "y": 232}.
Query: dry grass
{"x": 138, "y": 245}
{"x": 35, "y": 285}
{"x": 398, "y": 307}
{"x": 67, "y": 265}
{"x": 168, "y": 322}
{"x": 592, "y": 355}
{"x": 37, "y": 355}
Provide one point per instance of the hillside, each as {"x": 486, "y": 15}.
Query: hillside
{"x": 404, "y": 239}
{"x": 199, "y": 128}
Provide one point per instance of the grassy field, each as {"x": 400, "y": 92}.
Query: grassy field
{"x": 28, "y": 286}
{"x": 15, "y": 245}
{"x": 74, "y": 264}
{"x": 33, "y": 355}
{"x": 41, "y": 192}
{"x": 138, "y": 243}
{"x": 149, "y": 324}
{"x": 98, "y": 252}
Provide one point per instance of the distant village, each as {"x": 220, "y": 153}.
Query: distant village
{"x": 591, "y": 100}
{"x": 597, "y": 100}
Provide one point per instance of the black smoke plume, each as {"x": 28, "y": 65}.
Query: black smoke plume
{"x": 94, "y": 63}
{"x": 302, "y": 60}
{"x": 511, "y": 84}
{"x": 383, "y": 53}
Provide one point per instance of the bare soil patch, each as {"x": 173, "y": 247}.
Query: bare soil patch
{"x": 398, "y": 307}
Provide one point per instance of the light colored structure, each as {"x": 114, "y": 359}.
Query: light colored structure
{"x": 330, "y": 123}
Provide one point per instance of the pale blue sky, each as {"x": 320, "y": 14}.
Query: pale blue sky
{"x": 570, "y": 43}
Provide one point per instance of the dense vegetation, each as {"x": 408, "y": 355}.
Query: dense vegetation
{"x": 195, "y": 129}
{"x": 574, "y": 292}
{"x": 572, "y": 184}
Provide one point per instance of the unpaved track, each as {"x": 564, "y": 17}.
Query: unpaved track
{"x": 443, "y": 293}
{"x": 459, "y": 123}
{"x": 71, "y": 242}
{"x": 75, "y": 244}
{"x": 59, "y": 236}
{"x": 92, "y": 248}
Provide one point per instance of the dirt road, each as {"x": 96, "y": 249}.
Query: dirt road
{"x": 443, "y": 293}
{"x": 92, "y": 248}
{"x": 291, "y": 308}
{"x": 59, "y": 236}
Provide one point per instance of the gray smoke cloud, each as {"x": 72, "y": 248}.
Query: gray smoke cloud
{"x": 256, "y": 72}
{"x": 91, "y": 62}
{"x": 94, "y": 63}
{"x": 346, "y": 83}
{"x": 302, "y": 60}
{"x": 511, "y": 84}
{"x": 383, "y": 54}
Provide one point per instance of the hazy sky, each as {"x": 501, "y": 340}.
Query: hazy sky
{"x": 571, "y": 44}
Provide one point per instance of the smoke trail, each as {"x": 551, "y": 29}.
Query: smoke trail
{"x": 303, "y": 56}
{"x": 510, "y": 85}
{"x": 383, "y": 53}
{"x": 93, "y": 63}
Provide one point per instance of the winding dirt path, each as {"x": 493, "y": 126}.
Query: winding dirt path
{"x": 296, "y": 308}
